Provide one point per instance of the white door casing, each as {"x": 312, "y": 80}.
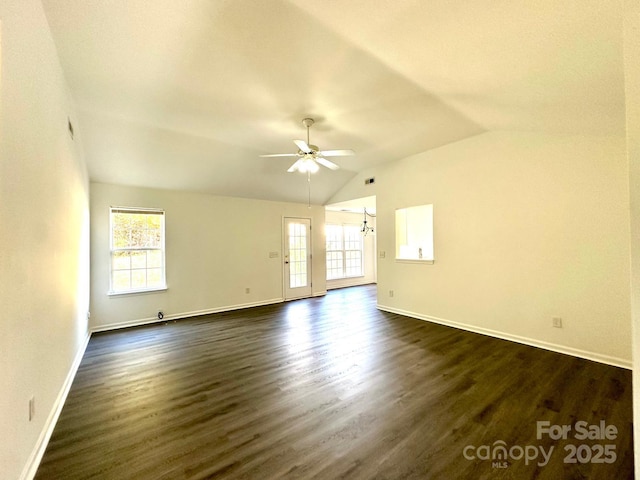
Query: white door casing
{"x": 297, "y": 258}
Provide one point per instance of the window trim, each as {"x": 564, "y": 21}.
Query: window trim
{"x": 162, "y": 249}
{"x": 112, "y": 293}
{"x": 429, "y": 260}
{"x": 416, "y": 260}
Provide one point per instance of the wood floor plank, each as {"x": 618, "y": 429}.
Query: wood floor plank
{"x": 327, "y": 388}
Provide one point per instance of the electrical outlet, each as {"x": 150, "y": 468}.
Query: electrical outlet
{"x": 556, "y": 322}
{"x": 382, "y": 254}
{"x": 391, "y": 293}
{"x": 32, "y": 408}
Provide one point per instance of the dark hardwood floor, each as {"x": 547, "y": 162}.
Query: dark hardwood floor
{"x": 332, "y": 388}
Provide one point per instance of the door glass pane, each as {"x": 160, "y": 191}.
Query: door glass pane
{"x": 297, "y": 255}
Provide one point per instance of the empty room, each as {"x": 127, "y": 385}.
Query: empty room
{"x": 319, "y": 240}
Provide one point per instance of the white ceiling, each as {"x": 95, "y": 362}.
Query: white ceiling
{"x": 185, "y": 94}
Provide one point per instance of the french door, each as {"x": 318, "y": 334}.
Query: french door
{"x": 297, "y": 258}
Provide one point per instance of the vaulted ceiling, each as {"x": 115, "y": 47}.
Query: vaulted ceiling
{"x": 186, "y": 94}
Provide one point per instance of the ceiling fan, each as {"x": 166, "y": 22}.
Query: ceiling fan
{"x": 309, "y": 156}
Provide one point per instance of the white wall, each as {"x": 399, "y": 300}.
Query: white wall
{"x": 44, "y": 238}
{"x": 632, "y": 92}
{"x": 527, "y": 227}
{"x": 369, "y": 249}
{"x": 216, "y": 247}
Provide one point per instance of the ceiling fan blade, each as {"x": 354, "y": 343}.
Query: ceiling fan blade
{"x": 295, "y": 166}
{"x": 302, "y": 145}
{"x": 336, "y": 153}
{"x": 280, "y": 155}
{"x": 327, "y": 163}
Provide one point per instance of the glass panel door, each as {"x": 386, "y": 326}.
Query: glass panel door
{"x": 297, "y": 258}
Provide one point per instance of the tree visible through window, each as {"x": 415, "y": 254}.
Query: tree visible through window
{"x": 344, "y": 251}
{"x": 137, "y": 250}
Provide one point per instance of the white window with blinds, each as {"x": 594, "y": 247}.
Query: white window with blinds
{"x": 137, "y": 250}
{"x": 344, "y": 251}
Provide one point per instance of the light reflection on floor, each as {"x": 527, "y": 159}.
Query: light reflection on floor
{"x": 346, "y": 352}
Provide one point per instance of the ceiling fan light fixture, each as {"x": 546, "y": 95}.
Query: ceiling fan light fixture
{"x": 308, "y": 165}
{"x": 310, "y": 157}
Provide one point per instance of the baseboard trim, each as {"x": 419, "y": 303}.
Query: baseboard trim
{"x": 31, "y": 467}
{"x": 335, "y": 285}
{"x": 178, "y": 316}
{"x": 596, "y": 357}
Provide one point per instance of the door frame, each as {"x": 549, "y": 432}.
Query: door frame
{"x": 285, "y": 269}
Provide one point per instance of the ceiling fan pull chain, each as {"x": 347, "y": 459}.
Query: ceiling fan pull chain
{"x": 309, "y": 185}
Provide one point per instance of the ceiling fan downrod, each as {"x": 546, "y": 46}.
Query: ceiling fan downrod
{"x": 307, "y": 122}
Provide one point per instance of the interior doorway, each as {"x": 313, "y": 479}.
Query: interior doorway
{"x": 351, "y": 251}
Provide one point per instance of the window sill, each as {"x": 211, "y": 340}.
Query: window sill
{"x": 414, "y": 260}
{"x": 137, "y": 292}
